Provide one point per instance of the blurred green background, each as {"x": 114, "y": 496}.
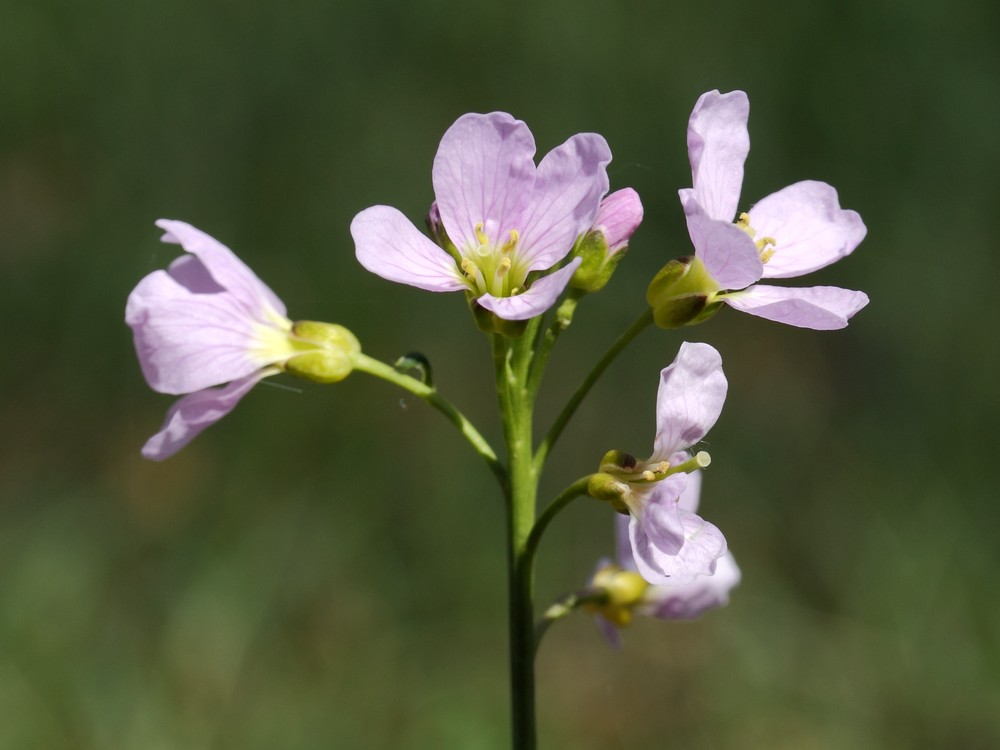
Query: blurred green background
{"x": 324, "y": 568}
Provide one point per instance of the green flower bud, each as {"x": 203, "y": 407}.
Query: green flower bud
{"x": 682, "y": 293}
{"x": 328, "y": 351}
{"x": 598, "y": 263}
{"x": 609, "y": 489}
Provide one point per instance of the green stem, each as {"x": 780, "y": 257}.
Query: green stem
{"x": 429, "y": 394}
{"x": 575, "y": 490}
{"x": 511, "y": 360}
{"x": 641, "y": 323}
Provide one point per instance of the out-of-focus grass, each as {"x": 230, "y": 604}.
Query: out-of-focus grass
{"x": 325, "y": 567}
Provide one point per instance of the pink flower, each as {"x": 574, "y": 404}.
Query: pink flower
{"x": 503, "y": 217}
{"x": 208, "y": 320}
{"x": 799, "y": 229}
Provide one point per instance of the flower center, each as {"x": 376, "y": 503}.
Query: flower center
{"x": 765, "y": 245}
{"x": 493, "y": 269}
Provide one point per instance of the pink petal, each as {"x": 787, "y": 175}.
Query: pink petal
{"x": 484, "y": 173}
{"x": 689, "y": 400}
{"x": 225, "y": 268}
{"x": 690, "y": 600}
{"x": 691, "y": 496}
{"x": 618, "y": 217}
{"x": 539, "y": 297}
{"x": 810, "y": 228}
{"x": 186, "y": 341}
{"x": 388, "y": 245}
{"x": 729, "y": 255}
{"x": 822, "y": 308}
{"x": 193, "y": 413}
{"x": 718, "y": 144}
{"x": 568, "y": 187}
{"x": 703, "y": 545}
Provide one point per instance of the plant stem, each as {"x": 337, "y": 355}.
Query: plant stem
{"x": 429, "y": 394}
{"x": 641, "y": 323}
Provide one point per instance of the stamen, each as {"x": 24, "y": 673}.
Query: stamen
{"x": 511, "y": 243}
{"x": 503, "y": 267}
{"x": 469, "y": 268}
{"x": 743, "y": 222}
{"x": 480, "y": 234}
{"x": 765, "y": 251}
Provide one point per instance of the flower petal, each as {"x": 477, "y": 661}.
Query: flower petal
{"x": 822, "y": 308}
{"x": 538, "y": 298}
{"x": 729, "y": 255}
{"x": 484, "y": 173}
{"x": 810, "y": 228}
{"x": 691, "y": 600}
{"x": 569, "y": 184}
{"x": 689, "y": 400}
{"x": 703, "y": 545}
{"x": 691, "y": 496}
{"x": 388, "y": 245}
{"x": 225, "y": 268}
{"x": 618, "y": 217}
{"x": 193, "y": 413}
{"x": 186, "y": 341}
{"x": 718, "y": 144}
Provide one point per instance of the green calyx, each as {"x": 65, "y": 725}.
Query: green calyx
{"x": 597, "y": 267}
{"x": 328, "y": 351}
{"x": 683, "y": 293}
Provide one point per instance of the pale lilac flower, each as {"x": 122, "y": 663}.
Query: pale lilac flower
{"x": 799, "y": 229}
{"x": 626, "y": 594}
{"x": 504, "y": 217}
{"x": 208, "y": 320}
{"x": 670, "y": 542}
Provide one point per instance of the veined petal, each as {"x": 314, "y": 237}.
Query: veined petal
{"x": 225, "y": 268}
{"x": 388, "y": 245}
{"x": 193, "y": 413}
{"x": 729, "y": 255}
{"x": 689, "y": 400}
{"x": 659, "y": 515}
{"x": 703, "y": 545}
{"x": 484, "y": 173}
{"x": 822, "y": 308}
{"x": 810, "y": 228}
{"x": 691, "y": 496}
{"x": 718, "y": 144}
{"x": 691, "y": 600}
{"x": 569, "y": 184}
{"x": 188, "y": 341}
{"x": 538, "y": 298}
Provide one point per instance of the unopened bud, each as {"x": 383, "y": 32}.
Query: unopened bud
{"x": 605, "y": 244}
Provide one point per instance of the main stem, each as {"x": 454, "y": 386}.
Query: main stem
{"x": 516, "y": 405}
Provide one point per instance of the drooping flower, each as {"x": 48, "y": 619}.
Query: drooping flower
{"x": 670, "y": 542}
{"x": 207, "y": 320}
{"x": 605, "y": 244}
{"x": 792, "y": 232}
{"x": 504, "y": 220}
{"x": 623, "y": 593}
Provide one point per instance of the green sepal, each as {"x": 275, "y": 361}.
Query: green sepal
{"x": 597, "y": 267}
{"x": 682, "y": 293}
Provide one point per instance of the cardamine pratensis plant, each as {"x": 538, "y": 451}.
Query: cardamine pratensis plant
{"x": 526, "y": 243}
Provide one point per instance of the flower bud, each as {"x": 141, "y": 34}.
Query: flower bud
{"x": 605, "y": 244}
{"x": 609, "y": 489}
{"x": 682, "y": 293}
{"x": 622, "y": 590}
{"x": 435, "y": 228}
{"x": 328, "y": 352}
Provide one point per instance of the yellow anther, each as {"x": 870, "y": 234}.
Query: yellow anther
{"x": 648, "y": 475}
{"x": 469, "y": 268}
{"x": 743, "y": 222}
{"x": 512, "y": 241}
{"x": 515, "y": 290}
{"x": 763, "y": 247}
{"x": 504, "y": 266}
{"x": 481, "y": 237}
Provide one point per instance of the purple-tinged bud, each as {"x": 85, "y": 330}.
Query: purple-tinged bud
{"x": 605, "y": 244}
{"x": 435, "y": 228}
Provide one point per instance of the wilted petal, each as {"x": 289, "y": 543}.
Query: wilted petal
{"x": 689, "y": 400}
{"x": 194, "y": 412}
{"x": 187, "y": 341}
{"x": 226, "y": 269}
{"x": 822, "y": 308}
{"x": 569, "y": 184}
{"x": 539, "y": 297}
{"x": 729, "y": 255}
{"x": 718, "y": 144}
{"x": 618, "y": 217}
{"x": 703, "y": 545}
{"x": 388, "y": 245}
{"x": 809, "y": 226}
{"x": 484, "y": 173}
{"x": 691, "y": 600}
